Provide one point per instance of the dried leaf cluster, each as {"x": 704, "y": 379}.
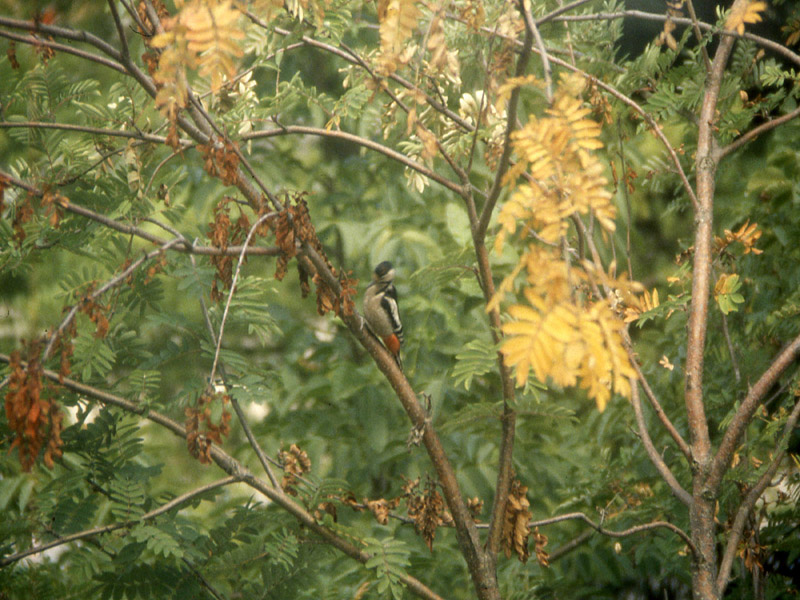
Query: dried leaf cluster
{"x": 515, "y": 522}
{"x": 34, "y": 418}
{"x": 295, "y": 463}
{"x": 223, "y": 232}
{"x": 293, "y": 228}
{"x": 201, "y": 428}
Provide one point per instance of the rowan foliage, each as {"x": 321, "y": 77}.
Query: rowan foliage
{"x": 570, "y": 217}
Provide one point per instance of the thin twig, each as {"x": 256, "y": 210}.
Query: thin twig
{"x": 234, "y": 468}
{"x": 746, "y": 410}
{"x": 757, "y": 131}
{"x": 657, "y": 460}
{"x": 242, "y": 254}
{"x": 361, "y": 141}
{"x": 136, "y": 135}
{"x": 731, "y": 350}
{"x": 120, "y": 29}
{"x": 655, "y": 404}
{"x": 34, "y": 41}
{"x": 217, "y": 340}
{"x": 617, "y": 534}
{"x": 745, "y": 508}
{"x": 183, "y": 246}
{"x": 698, "y": 35}
{"x": 531, "y": 25}
{"x": 505, "y": 157}
{"x": 646, "y": 16}
{"x": 88, "y": 533}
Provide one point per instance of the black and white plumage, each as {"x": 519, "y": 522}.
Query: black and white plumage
{"x": 381, "y": 311}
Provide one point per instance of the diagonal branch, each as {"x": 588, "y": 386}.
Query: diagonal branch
{"x": 511, "y": 123}
{"x": 746, "y": 507}
{"x": 618, "y": 534}
{"x": 181, "y": 246}
{"x": 652, "y": 453}
{"x": 651, "y": 397}
{"x": 746, "y": 410}
{"x": 466, "y": 531}
{"x": 235, "y": 469}
{"x": 530, "y": 24}
{"x": 34, "y": 41}
{"x": 89, "y": 533}
{"x": 361, "y": 141}
{"x": 757, "y": 131}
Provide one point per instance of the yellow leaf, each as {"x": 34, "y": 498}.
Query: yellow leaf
{"x": 398, "y": 22}
{"x": 744, "y": 11}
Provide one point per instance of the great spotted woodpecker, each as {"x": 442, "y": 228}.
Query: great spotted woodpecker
{"x": 381, "y": 312}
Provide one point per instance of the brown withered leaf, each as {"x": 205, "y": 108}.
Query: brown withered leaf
{"x": 381, "y": 508}
{"x": 221, "y": 160}
{"x": 295, "y": 462}
{"x": 326, "y": 507}
{"x": 11, "y": 53}
{"x": 201, "y": 430}
{"x": 475, "y": 506}
{"x": 426, "y": 508}
{"x": 540, "y": 541}
{"x": 515, "y": 522}
{"x": 35, "y": 419}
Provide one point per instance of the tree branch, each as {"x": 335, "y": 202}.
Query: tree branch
{"x": 701, "y": 512}
{"x": 182, "y": 246}
{"x": 657, "y": 460}
{"x": 746, "y": 507}
{"x": 530, "y": 24}
{"x": 88, "y": 533}
{"x": 342, "y": 135}
{"x": 235, "y": 469}
{"x": 34, "y": 41}
{"x": 646, "y": 16}
{"x": 511, "y": 123}
{"x": 618, "y": 534}
{"x": 466, "y": 532}
{"x": 746, "y": 410}
{"x": 651, "y": 397}
{"x": 757, "y": 131}
{"x": 136, "y": 135}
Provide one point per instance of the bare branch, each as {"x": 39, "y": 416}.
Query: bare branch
{"x": 651, "y": 397}
{"x": 342, "y": 135}
{"x": 560, "y": 11}
{"x": 746, "y": 507}
{"x": 88, "y": 533}
{"x": 235, "y": 469}
{"x": 646, "y": 16}
{"x": 182, "y": 246}
{"x": 757, "y": 131}
{"x": 617, "y": 534}
{"x": 697, "y": 34}
{"x": 511, "y": 123}
{"x": 657, "y": 460}
{"x": 746, "y": 410}
{"x": 34, "y": 41}
{"x": 136, "y": 135}
{"x": 235, "y": 279}
{"x": 531, "y": 25}
{"x": 120, "y": 29}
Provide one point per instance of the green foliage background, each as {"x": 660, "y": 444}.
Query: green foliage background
{"x": 303, "y": 380}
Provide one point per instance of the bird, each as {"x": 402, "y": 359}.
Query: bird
{"x": 381, "y": 312}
